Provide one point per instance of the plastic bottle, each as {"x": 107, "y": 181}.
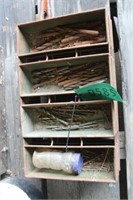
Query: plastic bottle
{"x": 69, "y": 162}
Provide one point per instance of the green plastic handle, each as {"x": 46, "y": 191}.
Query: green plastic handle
{"x": 98, "y": 91}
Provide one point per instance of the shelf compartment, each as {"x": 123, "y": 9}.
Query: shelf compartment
{"x": 71, "y": 30}
{"x": 48, "y": 99}
{"x": 63, "y": 75}
{"x": 73, "y": 142}
{"x": 63, "y": 53}
{"x": 87, "y": 118}
{"x": 99, "y": 164}
{"x": 54, "y": 99}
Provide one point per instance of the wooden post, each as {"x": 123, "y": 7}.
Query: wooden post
{"x": 3, "y": 141}
{"x": 11, "y": 13}
{"x": 125, "y": 20}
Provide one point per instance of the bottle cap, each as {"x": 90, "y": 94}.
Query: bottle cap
{"x": 77, "y": 163}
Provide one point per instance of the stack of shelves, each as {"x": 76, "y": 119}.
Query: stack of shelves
{"x": 57, "y": 56}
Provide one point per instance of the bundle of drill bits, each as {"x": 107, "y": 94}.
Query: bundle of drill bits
{"x": 69, "y": 77}
{"x": 98, "y": 160}
{"x": 85, "y": 117}
{"x": 68, "y": 36}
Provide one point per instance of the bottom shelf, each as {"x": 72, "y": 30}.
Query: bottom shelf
{"x": 88, "y": 176}
{"x": 98, "y": 165}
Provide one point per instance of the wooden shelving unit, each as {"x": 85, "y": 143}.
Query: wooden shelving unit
{"x": 48, "y": 77}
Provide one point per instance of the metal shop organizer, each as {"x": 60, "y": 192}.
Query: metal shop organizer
{"x": 57, "y": 56}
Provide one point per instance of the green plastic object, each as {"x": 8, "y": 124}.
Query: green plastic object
{"x": 98, "y": 91}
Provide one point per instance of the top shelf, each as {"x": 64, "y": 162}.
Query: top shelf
{"x": 70, "y": 31}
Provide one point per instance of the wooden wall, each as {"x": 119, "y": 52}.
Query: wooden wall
{"x": 125, "y": 21}
{"x": 13, "y": 12}
{"x": 3, "y": 139}
{"x": 60, "y": 7}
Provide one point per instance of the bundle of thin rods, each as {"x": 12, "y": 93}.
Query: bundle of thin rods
{"x": 85, "y": 117}
{"x": 68, "y": 35}
{"x": 98, "y": 160}
{"x": 69, "y": 77}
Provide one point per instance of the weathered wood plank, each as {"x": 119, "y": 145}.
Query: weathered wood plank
{"x": 13, "y": 12}
{"x": 125, "y": 19}
{"x": 59, "y": 7}
{"x": 3, "y": 141}
{"x": 82, "y": 190}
